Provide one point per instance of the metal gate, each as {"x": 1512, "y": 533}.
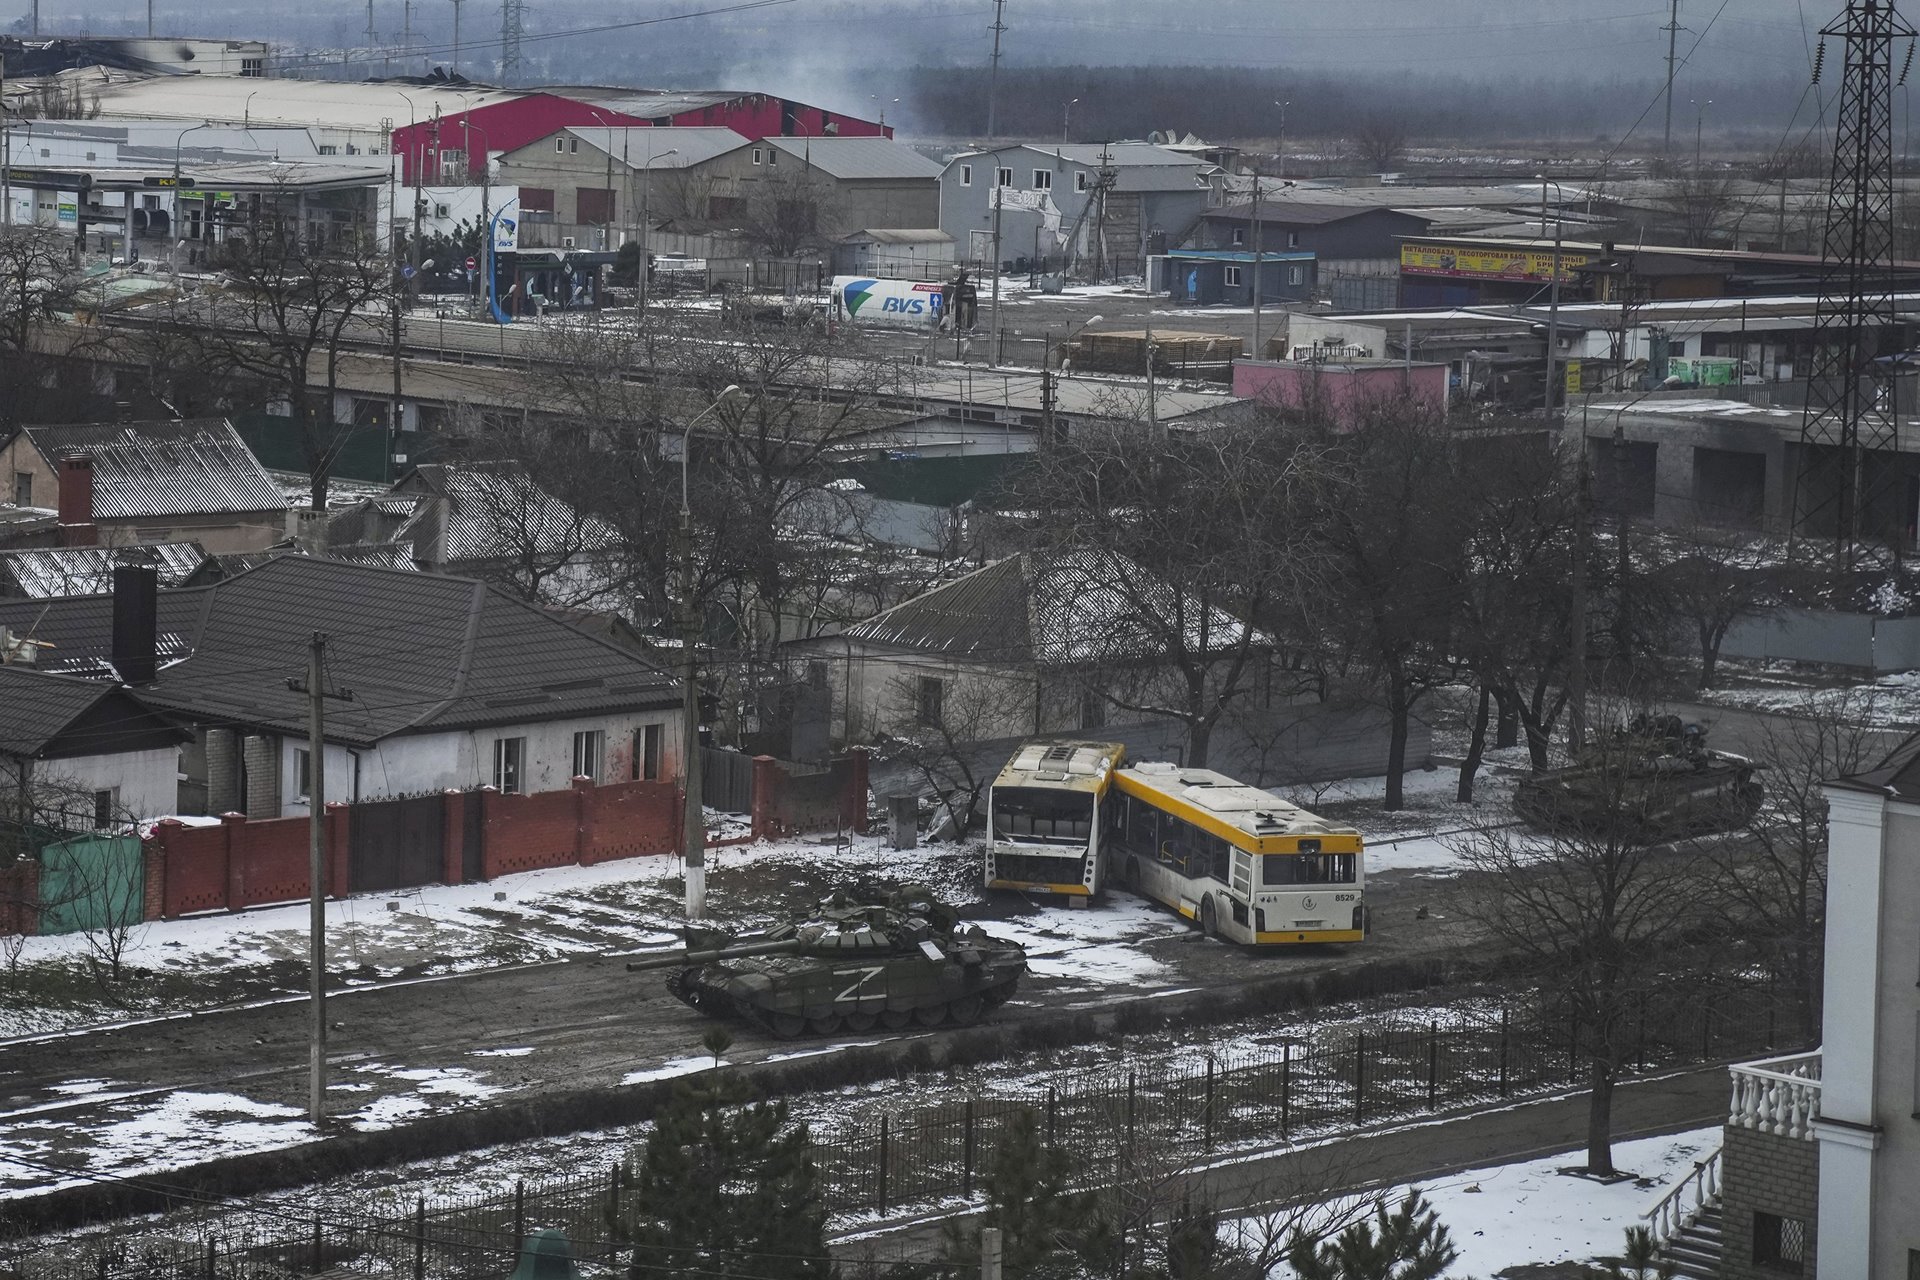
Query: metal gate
{"x": 396, "y": 844}
{"x": 726, "y": 780}
{"x": 92, "y": 882}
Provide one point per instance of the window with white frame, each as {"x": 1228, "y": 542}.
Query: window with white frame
{"x": 1296, "y": 274}
{"x": 773, "y": 156}
{"x": 589, "y": 753}
{"x": 646, "y": 753}
{"x": 1043, "y": 179}
{"x": 560, "y": 146}
{"x": 1239, "y": 236}
{"x": 756, "y": 155}
{"x": 510, "y": 765}
{"x": 966, "y": 175}
{"x": 1232, "y": 276}
{"x": 1003, "y": 177}
{"x": 1079, "y": 179}
{"x": 302, "y": 773}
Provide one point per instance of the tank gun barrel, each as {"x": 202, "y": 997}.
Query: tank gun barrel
{"x": 675, "y": 959}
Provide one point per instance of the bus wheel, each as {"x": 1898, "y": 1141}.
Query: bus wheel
{"x": 1209, "y": 920}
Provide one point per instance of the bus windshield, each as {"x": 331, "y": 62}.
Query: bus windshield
{"x": 1308, "y": 868}
{"x": 1036, "y": 815}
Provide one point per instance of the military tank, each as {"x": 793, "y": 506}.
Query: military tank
{"x": 896, "y": 960}
{"x": 1655, "y": 777}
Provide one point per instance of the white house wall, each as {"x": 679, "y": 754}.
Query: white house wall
{"x": 413, "y": 763}
{"x": 148, "y": 781}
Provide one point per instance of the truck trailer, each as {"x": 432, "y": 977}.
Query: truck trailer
{"x": 895, "y": 304}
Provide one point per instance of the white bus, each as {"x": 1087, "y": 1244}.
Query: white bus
{"x": 1048, "y": 819}
{"x": 1243, "y": 864}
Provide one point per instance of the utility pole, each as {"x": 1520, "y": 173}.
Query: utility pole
{"x": 1553, "y": 315}
{"x": 371, "y": 40}
{"x": 1673, "y": 45}
{"x": 1259, "y": 261}
{"x": 993, "y": 327}
{"x": 455, "y": 68}
{"x": 1153, "y": 390}
{"x": 1577, "y": 655}
{"x": 149, "y": 19}
{"x": 993, "y": 71}
{"x": 6, "y": 153}
{"x": 315, "y": 689}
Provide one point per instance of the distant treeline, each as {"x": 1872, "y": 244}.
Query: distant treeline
{"x": 1239, "y": 103}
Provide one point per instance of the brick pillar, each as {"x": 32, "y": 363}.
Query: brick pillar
{"x": 153, "y": 851}
{"x": 339, "y": 850}
{"x": 262, "y": 754}
{"x": 766, "y": 797}
{"x": 453, "y": 836}
{"x": 489, "y": 802}
{"x": 20, "y": 898}
{"x": 235, "y": 824}
{"x": 223, "y": 771}
{"x": 853, "y": 798}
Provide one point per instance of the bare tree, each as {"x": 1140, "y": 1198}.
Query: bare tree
{"x": 1380, "y": 140}
{"x": 1391, "y": 524}
{"x": 37, "y": 283}
{"x": 791, "y": 212}
{"x": 1700, "y": 208}
{"x": 1711, "y": 579}
{"x": 1589, "y": 906}
{"x": 1155, "y": 553}
{"x": 1773, "y": 875}
{"x": 948, "y": 745}
{"x": 291, "y": 298}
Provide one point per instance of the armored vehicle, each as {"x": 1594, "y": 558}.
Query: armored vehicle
{"x": 1656, "y": 778}
{"x": 902, "y": 960}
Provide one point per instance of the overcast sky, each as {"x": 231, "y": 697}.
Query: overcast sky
{"x": 1476, "y": 38}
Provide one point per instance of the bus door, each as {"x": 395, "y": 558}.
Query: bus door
{"x": 1243, "y": 874}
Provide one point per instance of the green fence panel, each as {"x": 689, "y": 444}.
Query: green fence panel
{"x": 91, "y": 882}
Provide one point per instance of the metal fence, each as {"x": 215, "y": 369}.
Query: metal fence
{"x": 1345, "y": 1076}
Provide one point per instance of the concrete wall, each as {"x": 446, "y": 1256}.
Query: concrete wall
{"x": 1767, "y": 1173}
{"x": 1858, "y": 640}
{"x": 148, "y": 781}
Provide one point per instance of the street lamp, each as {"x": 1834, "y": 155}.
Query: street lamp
{"x": 1066, "y": 343}
{"x": 882, "y": 107}
{"x": 646, "y": 192}
{"x": 174, "y": 198}
{"x": 693, "y": 832}
{"x": 1281, "y": 159}
{"x": 1699, "y": 119}
{"x": 1066, "y": 118}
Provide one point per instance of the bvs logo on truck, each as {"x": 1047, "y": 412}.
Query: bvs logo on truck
{"x": 895, "y": 298}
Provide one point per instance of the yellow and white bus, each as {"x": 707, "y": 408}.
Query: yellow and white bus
{"x": 1049, "y": 819}
{"x": 1243, "y": 864}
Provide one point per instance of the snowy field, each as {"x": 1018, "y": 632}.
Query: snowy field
{"x": 1507, "y": 1217}
{"x": 1890, "y": 702}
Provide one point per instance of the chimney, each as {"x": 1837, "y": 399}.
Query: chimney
{"x": 136, "y": 599}
{"x": 76, "y": 502}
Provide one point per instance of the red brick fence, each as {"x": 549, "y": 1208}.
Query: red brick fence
{"x": 451, "y": 838}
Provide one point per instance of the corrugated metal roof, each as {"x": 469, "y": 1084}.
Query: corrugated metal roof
{"x": 633, "y": 146}
{"x": 898, "y": 235}
{"x": 327, "y": 104}
{"x": 36, "y": 706}
{"x": 1052, "y": 611}
{"x": 47, "y": 572}
{"x": 653, "y": 104}
{"x": 420, "y": 651}
{"x": 496, "y": 511}
{"x": 143, "y": 470}
{"x": 853, "y": 159}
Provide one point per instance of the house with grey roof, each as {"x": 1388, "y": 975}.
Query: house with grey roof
{"x": 1110, "y": 205}
{"x": 447, "y": 682}
{"x": 79, "y": 754}
{"x": 116, "y": 484}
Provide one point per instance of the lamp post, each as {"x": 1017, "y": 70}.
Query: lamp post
{"x": 204, "y": 124}
{"x": 693, "y": 827}
{"x": 486, "y": 185}
{"x": 1281, "y": 158}
{"x": 1066, "y": 118}
{"x": 646, "y": 192}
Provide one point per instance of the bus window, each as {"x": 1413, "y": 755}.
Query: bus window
{"x": 1242, "y": 872}
{"x": 1143, "y": 827}
{"x": 1308, "y": 868}
{"x": 1040, "y": 816}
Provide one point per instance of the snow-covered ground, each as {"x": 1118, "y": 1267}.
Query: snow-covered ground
{"x": 1890, "y": 702}
{"x": 1533, "y": 1214}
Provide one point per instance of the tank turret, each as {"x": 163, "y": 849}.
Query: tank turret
{"x": 856, "y": 962}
